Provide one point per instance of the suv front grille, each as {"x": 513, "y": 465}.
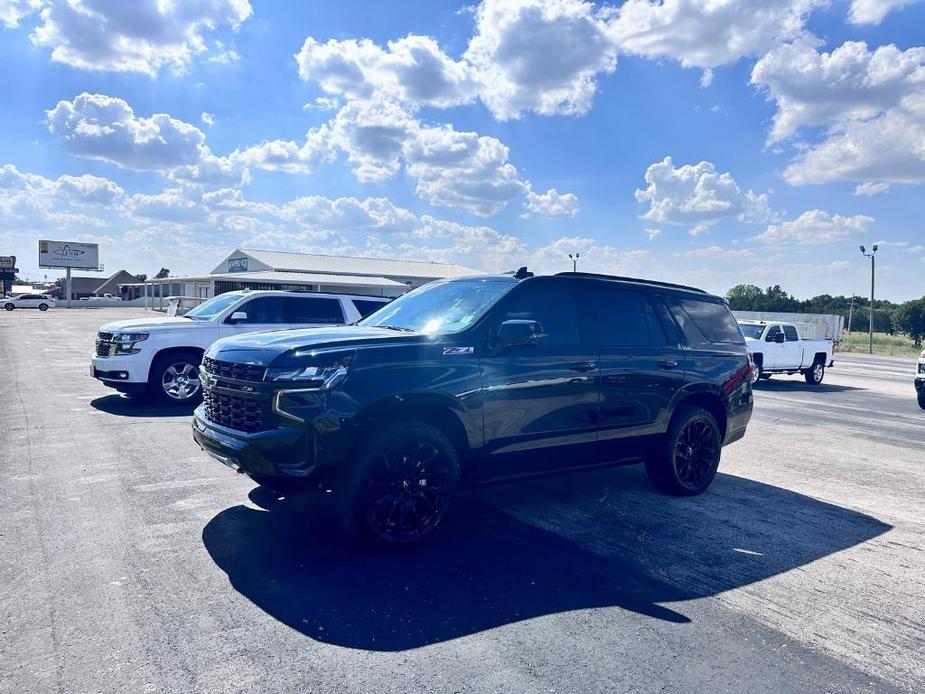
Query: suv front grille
{"x": 236, "y": 412}
{"x": 104, "y": 345}
{"x": 228, "y": 369}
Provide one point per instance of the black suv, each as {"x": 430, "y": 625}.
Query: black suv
{"x": 475, "y": 379}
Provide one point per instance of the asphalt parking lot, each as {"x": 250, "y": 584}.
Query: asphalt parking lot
{"x": 131, "y": 562}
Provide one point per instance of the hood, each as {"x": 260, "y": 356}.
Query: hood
{"x": 153, "y": 323}
{"x": 263, "y": 348}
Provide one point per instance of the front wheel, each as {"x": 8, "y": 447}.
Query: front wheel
{"x": 8, "y": 306}
{"x": 686, "y": 461}
{"x": 174, "y": 378}
{"x": 815, "y": 374}
{"x": 400, "y": 485}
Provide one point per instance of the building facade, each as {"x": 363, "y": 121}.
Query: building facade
{"x": 260, "y": 269}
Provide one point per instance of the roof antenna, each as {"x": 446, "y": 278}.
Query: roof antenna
{"x": 522, "y": 273}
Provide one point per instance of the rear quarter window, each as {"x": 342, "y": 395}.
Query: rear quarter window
{"x": 714, "y": 320}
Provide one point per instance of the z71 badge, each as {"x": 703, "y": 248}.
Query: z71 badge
{"x": 458, "y": 350}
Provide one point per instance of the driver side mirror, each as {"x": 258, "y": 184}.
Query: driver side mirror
{"x": 517, "y": 333}
{"x": 237, "y": 317}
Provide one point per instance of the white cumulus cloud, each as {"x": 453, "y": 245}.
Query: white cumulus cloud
{"x": 541, "y": 56}
{"x": 697, "y": 196}
{"x": 873, "y": 11}
{"x": 707, "y": 34}
{"x": 552, "y": 203}
{"x": 812, "y": 87}
{"x": 138, "y": 36}
{"x": 816, "y": 227}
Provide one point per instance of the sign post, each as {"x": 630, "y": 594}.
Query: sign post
{"x": 69, "y": 254}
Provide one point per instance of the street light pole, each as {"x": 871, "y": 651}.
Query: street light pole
{"x": 574, "y": 259}
{"x": 870, "y": 326}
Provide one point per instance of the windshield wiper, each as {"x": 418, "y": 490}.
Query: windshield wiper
{"x": 399, "y": 328}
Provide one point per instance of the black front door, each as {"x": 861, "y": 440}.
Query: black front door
{"x": 641, "y": 367}
{"x": 545, "y": 393}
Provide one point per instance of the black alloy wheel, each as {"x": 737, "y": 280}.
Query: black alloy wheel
{"x": 408, "y": 492}
{"x": 400, "y": 484}
{"x": 695, "y": 453}
{"x": 685, "y": 463}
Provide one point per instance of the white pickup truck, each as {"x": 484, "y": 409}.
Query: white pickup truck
{"x": 160, "y": 356}
{"x": 776, "y": 348}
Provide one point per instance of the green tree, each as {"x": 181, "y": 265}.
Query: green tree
{"x": 142, "y": 277}
{"x": 909, "y": 318}
{"x": 745, "y": 297}
{"x": 162, "y": 273}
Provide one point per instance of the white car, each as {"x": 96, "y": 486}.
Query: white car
{"x": 777, "y": 348}
{"x": 40, "y": 301}
{"x": 160, "y": 356}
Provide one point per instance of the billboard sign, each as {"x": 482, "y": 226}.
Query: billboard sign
{"x": 7, "y": 263}
{"x": 54, "y": 254}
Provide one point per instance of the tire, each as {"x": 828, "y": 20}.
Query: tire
{"x": 43, "y": 307}
{"x": 921, "y": 397}
{"x": 686, "y": 461}
{"x": 815, "y": 374}
{"x": 8, "y": 306}
{"x": 174, "y": 378}
{"x": 399, "y": 486}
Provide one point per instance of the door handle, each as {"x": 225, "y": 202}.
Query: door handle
{"x": 583, "y": 366}
{"x": 668, "y": 364}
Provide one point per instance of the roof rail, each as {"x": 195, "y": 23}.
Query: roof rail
{"x": 654, "y": 283}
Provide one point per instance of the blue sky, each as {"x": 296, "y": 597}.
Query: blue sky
{"x": 735, "y": 141}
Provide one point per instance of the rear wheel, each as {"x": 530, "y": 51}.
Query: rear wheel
{"x": 174, "y": 378}
{"x": 686, "y": 461}
{"x": 43, "y": 307}
{"x": 400, "y": 485}
{"x": 815, "y": 374}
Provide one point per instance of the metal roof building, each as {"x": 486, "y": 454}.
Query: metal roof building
{"x": 246, "y": 268}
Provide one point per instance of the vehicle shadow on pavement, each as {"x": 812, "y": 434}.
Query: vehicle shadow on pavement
{"x": 515, "y": 552}
{"x": 793, "y": 385}
{"x": 124, "y": 406}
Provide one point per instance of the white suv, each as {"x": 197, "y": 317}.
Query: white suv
{"x": 40, "y": 301}
{"x": 160, "y": 356}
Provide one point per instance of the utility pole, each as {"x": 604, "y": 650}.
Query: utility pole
{"x": 574, "y": 259}
{"x": 870, "y": 327}
{"x": 850, "y": 312}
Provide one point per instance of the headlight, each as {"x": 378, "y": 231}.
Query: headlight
{"x": 125, "y": 342}
{"x": 922, "y": 367}
{"x": 326, "y": 373}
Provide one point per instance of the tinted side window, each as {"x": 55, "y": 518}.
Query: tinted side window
{"x": 264, "y": 309}
{"x": 773, "y": 332}
{"x": 553, "y": 307}
{"x": 367, "y": 306}
{"x": 791, "y": 333}
{"x": 714, "y": 320}
{"x": 312, "y": 310}
{"x": 616, "y": 317}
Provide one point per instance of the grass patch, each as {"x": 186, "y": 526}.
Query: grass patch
{"x": 884, "y": 343}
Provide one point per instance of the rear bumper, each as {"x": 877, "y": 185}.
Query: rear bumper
{"x": 283, "y": 453}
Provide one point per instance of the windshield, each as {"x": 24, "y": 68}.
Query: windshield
{"x": 441, "y": 307}
{"x": 752, "y": 331}
{"x": 211, "y": 308}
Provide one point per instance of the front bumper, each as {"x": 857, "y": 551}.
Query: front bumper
{"x": 120, "y": 369}
{"x": 285, "y": 452}
{"x": 920, "y": 384}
